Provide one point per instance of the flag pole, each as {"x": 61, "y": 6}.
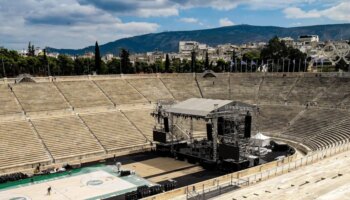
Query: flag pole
{"x": 288, "y": 65}
{"x": 235, "y": 65}
{"x": 241, "y": 66}
{"x": 293, "y": 65}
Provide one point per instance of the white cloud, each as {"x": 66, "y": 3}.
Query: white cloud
{"x": 296, "y": 24}
{"x": 150, "y": 12}
{"x": 64, "y": 24}
{"x": 78, "y": 23}
{"x": 225, "y": 22}
{"x": 297, "y": 13}
{"x": 338, "y": 12}
{"x": 164, "y": 8}
{"x": 141, "y": 8}
{"x": 189, "y": 20}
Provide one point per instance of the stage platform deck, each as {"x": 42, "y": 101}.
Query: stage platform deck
{"x": 88, "y": 183}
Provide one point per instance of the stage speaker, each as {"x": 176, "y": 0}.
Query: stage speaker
{"x": 209, "y": 132}
{"x": 166, "y": 124}
{"x": 220, "y": 126}
{"x": 248, "y": 125}
{"x": 159, "y": 136}
{"x": 228, "y": 152}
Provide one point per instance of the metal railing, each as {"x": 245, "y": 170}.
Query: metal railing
{"x": 217, "y": 188}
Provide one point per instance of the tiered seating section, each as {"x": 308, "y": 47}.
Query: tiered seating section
{"x": 244, "y": 89}
{"x": 152, "y": 88}
{"x": 275, "y": 89}
{"x": 337, "y": 94}
{"x": 36, "y": 97}
{"x": 143, "y": 121}
{"x": 19, "y": 145}
{"x": 336, "y": 134}
{"x": 82, "y": 94}
{"x": 182, "y": 88}
{"x": 8, "y": 104}
{"x": 66, "y": 137}
{"x": 271, "y": 118}
{"x": 310, "y": 127}
{"x": 121, "y": 92}
{"x": 308, "y": 88}
{"x": 113, "y": 130}
{"x": 89, "y": 132}
{"x": 214, "y": 87}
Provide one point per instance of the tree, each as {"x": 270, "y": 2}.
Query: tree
{"x": 275, "y": 49}
{"x": 234, "y": 55}
{"x": 79, "y": 64}
{"x": 53, "y": 64}
{"x": 45, "y": 63}
{"x": 206, "y": 64}
{"x": 251, "y": 55}
{"x": 220, "y": 65}
{"x": 167, "y": 63}
{"x": 297, "y": 58}
{"x": 66, "y": 65}
{"x": 125, "y": 61}
{"x": 97, "y": 59}
{"x": 199, "y": 66}
{"x": 113, "y": 66}
{"x": 35, "y": 65}
{"x": 193, "y": 61}
{"x": 185, "y": 66}
{"x": 176, "y": 66}
{"x": 31, "y": 50}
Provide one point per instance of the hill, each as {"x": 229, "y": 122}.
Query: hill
{"x": 168, "y": 41}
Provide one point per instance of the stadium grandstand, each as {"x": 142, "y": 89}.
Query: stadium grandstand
{"x": 51, "y": 121}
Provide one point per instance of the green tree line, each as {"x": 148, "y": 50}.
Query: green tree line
{"x": 283, "y": 58}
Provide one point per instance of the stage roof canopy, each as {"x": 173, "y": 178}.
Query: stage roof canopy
{"x": 197, "y": 107}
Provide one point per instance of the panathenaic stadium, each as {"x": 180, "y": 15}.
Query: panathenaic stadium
{"x": 93, "y": 122}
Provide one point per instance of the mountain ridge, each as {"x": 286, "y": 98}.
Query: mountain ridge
{"x": 237, "y": 34}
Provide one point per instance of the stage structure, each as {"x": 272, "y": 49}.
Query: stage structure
{"x": 228, "y": 126}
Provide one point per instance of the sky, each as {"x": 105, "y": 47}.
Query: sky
{"x": 79, "y": 23}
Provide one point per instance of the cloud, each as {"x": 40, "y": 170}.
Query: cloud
{"x": 165, "y": 8}
{"x": 64, "y": 14}
{"x": 189, "y": 20}
{"x": 296, "y": 24}
{"x": 338, "y": 12}
{"x": 142, "y": 8}
{"x": 78, "y": 23}
{"x": 63, "y": 24}
{"x": 297, "y": 13}
{"x": 225, "y": 22}
{"x": 215, "y": 4}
